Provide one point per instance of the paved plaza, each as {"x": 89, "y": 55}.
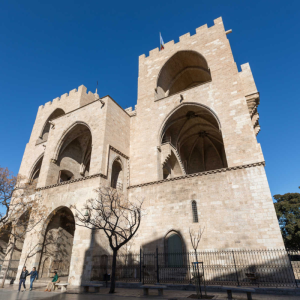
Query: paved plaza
{"x": 11, "y": 293}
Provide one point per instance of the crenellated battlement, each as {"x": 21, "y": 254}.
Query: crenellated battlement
{"x": 204, "y": 29}
{"x": 130, "y": 111}
{"x": 80, "y": 94}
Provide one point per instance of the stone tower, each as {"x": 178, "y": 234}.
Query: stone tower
{"x": 193, "y": 145}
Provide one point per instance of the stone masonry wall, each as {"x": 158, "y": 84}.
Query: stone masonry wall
{"x": 234, "y": 206}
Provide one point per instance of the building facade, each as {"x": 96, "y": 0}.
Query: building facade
{"x": 189, "y": 149}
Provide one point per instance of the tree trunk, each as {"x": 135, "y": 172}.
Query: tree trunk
{"x": 9, "y": 261}
{"x": 113, "y": 272}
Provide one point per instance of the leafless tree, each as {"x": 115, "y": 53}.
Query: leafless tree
{"x": 196, "y": 238}
{"x": 12, "y": 187}
{"x": 23, "y": 211}
{"x": 195, "y": 241}
{"x": 117, "y": 216}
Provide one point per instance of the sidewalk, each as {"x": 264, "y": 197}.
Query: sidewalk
{"x": 10, "y": 293}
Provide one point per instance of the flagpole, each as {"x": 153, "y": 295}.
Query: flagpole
{"x": 159, "y": 40}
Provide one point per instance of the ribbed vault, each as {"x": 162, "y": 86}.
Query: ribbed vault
{"x": 194, "y": 132}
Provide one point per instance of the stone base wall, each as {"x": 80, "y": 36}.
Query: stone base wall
{"x": 235, "y": 207}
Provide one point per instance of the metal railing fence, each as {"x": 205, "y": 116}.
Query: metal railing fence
{"x": 271, "y": 268}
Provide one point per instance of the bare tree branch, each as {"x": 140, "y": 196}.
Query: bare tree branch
{"x": 196, "y": 237}
{"x": 117, "y": 216}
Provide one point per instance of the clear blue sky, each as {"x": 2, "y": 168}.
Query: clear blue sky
{"x": 51, "y": 47}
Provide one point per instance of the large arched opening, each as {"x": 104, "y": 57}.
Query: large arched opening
{"x": 58, "y": 244}
{"x": 184, "y": 70}
{"x": 73, "y": 155}
{"x": 193, "y": 131}
{"x": 46, "y": 128}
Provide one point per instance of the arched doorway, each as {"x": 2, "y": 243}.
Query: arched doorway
{"x": 193, "y": 133}
{"x": 58, "y": 244}
{"x": 174, "y": 248}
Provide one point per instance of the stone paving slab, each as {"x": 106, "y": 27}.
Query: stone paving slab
{"x": 11, "y": 293}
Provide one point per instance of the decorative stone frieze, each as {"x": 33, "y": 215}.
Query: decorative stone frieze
{"x": 199, "y": 174}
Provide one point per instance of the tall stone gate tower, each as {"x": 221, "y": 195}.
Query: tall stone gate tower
{"x": 189, "y": 148}
{"x": 193, "y": 149}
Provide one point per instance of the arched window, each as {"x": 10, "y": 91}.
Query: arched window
{"x": 117, "y": 175}
{"x": 194, "y": 211}
{"x": 34, "y": 177}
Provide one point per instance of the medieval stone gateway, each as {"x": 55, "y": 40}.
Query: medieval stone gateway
{"x": 188, "y": 147}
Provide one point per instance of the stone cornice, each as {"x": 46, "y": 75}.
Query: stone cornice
{"x": 119, "y": 152}
{"x": 262, "y": 163}
{"x": 71, "y": 181}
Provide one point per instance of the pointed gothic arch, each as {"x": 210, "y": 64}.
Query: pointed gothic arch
{"x": 35, "y": 170}
{"x": 58, "y": 112}
{"x": 174, "y": 249}
{"x": 57, "y": 239}
{"x": 194, "y": 131}
{"x": 72, "y": 156}
{"x": 183, "y": 70}
{"x": 117, "y": 174}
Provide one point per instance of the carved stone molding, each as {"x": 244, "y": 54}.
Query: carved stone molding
{"x": 262, "y": 163}
{"x": 71, "y": 181}
{"x": 117, "y": 151}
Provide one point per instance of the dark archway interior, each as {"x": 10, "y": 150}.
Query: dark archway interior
{"x": 75, "y": 154}
{"x": 45, "y": 132}
{"x": 183, "y": 70}
{"x": 36, "y": 171}
{"x": 58, "y": 243}
{"x": 117, "y": 175}
{"x": 194, "y": 132}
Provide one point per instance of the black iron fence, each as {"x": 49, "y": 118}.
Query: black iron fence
{"x": 271, "y": 268}
{"x": 244, "y": 267}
